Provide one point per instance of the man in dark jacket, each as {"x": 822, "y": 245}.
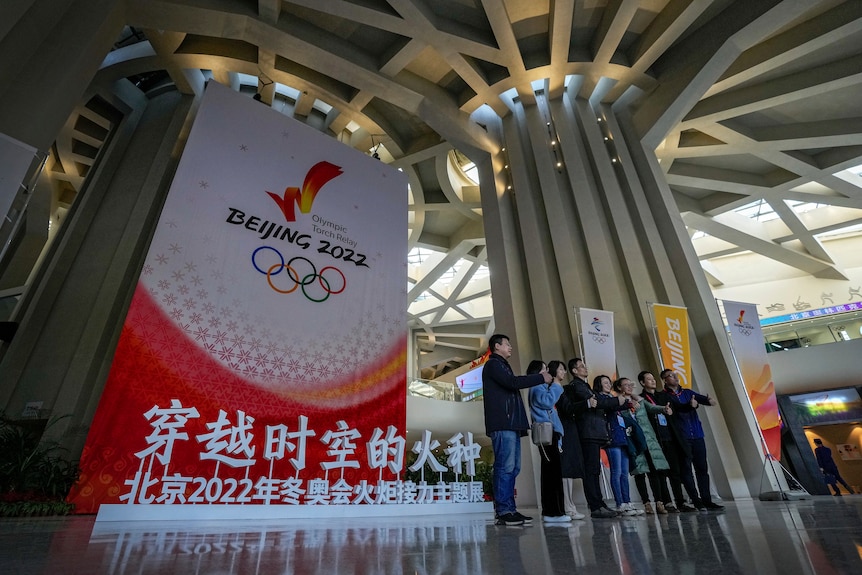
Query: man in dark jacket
{"x": 674, "y": 446}
{"x": 578, "y": 402}
{"x": 684, "y": 403}
{"x": 506, "y": 423}
{"x": 828, "y": 467}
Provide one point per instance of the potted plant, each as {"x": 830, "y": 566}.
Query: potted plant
{"x": 35, "y": 477}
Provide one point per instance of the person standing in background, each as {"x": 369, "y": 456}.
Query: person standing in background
{"x": 827, "y": 466}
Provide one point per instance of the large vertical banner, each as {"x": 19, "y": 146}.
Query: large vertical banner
{"x": 597, "y": 326}
{"x": 747, "y": 339}
{"x": 15, "y": 160}
{"x": 263, "y": 358}
{"x": 671, "y": 324}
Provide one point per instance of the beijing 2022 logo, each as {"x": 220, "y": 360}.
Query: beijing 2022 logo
{"x": 300, "y": 273}
{"x": 285, "y": 276}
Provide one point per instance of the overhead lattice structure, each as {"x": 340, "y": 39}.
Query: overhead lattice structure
{"x": 413, "y": 80}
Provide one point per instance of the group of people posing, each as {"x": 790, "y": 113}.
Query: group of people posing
{"x": 656, "y": 436}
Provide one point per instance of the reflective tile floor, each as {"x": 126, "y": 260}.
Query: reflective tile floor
{"x": 816, "y": 535}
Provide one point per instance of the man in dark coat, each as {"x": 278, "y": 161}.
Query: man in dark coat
{"x": 827, "y": 466}
{"x": 673, "y": 444}
{"x": 685, "y": 403}
{"x": 506, "y": 423}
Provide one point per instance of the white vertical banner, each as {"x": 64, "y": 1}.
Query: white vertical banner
{"x": 598, "y": 333}
{"x": 747, "y": 339}
{"x": 266, "y": 340}
{"x": 15, "y": 160}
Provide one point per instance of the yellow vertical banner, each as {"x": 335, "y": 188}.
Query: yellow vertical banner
{"x": 671, "y": 324}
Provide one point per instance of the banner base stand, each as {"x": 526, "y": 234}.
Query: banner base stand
{"x": 795, "y": 491}
{"x": 123, "y": 512}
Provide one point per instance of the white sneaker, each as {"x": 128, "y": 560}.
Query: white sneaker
{"x": 577, "y": 516}
{"x": 635, "y": 509}
{"x": 626, "y": 510}
{"x": 556, "y": 518}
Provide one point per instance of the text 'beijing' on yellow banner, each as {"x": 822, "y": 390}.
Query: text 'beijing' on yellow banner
{"x": 672, "y": 331}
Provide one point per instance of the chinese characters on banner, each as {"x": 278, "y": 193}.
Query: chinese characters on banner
{"x": 263, "y": 356}
{"x": 233, "y": 442}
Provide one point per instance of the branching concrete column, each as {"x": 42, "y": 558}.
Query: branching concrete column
{"x": 584, "y": 225}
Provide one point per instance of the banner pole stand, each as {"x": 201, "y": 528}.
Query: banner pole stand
{"x": 578, "y": 333}
{"x": 795, "y": 492}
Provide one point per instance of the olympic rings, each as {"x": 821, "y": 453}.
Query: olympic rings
{"x": 294, "y": 275}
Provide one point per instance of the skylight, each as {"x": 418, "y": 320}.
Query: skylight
{"x": 417, "y": 256}
{"x": 761, "y": 211}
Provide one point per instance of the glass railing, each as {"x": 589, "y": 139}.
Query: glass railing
{"x": 813, "y": 331}
{"x": 442, "y": 390}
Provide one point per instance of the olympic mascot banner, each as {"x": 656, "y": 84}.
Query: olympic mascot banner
{"x": 263, "y": 358}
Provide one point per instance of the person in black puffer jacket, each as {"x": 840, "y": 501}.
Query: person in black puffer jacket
{"x": 580, "y": 404}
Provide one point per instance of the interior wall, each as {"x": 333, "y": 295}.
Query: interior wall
{"x": 816, "y": 368}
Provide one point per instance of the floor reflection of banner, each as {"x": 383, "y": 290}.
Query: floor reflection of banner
{"x": 747, "y": 339}
{"x": 597, "y": 327}
{"x": 671, "y": 324}
{"x": 263, "y": 358}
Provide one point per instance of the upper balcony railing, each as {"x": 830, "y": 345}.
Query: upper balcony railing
{"x": 813, "y": 331}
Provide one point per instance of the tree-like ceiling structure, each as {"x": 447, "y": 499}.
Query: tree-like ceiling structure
{"x": 408, "y": 80}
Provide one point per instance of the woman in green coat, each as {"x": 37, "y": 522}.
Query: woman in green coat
{"x": 651, "y": 463}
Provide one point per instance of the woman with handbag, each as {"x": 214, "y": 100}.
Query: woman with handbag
{"x": 542, "y": 399}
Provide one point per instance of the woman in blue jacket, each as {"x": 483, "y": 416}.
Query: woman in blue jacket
{"x": 617, "y": 450}
{"x": 542, "y": 400}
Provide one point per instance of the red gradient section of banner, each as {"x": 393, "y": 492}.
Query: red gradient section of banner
{"x": 156, "y": 361}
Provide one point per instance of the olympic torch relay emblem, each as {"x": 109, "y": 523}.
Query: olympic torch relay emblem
{"x": 317, "y": 176}
{"x": 277, "y": 320}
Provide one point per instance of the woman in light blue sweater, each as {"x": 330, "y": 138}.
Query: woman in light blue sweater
{"x": 542, "y": 399}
